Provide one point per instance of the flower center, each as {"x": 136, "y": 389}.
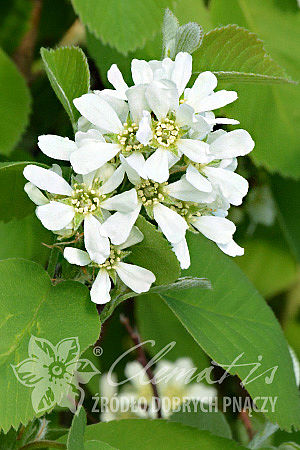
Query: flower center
{"x": 188, "y": 210}
{"x": 166, "y": 132}
{"x": 127, "y": 138}
{"x": 150, "y": 193}
{"x": 85, "y": 200}
{"x": 114, "y": 257}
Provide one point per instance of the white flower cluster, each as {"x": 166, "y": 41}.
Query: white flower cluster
{"x": 135, "y": 399}
{"x": 154, "y": 144}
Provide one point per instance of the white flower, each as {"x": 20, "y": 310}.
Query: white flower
{"x": 108, "y": 259}
{"x": 173, "y": 384}
{"x": 61, "y": 148}
{"x": 150, "y": 76}
{"x": 152, "y": 196}
{"x": 218, "y": 175}
{"x": 120, "y": 134}
{"x": 67, "y": 206}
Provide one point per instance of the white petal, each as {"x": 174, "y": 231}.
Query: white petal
{"x": 55, "y": 215}
{"x": 98, "y": 112}
{"x": 197, "y": 151}
{"x": 116, "y": 101}
{"x": 182, "y": 253}
{"x": 231, "y": 248}
{"x": 92, "y": 156}
{"x": 197, "y": 180}
{"x": 157, "y": 166}
{"x": 182, "y": 71}
{"x": 162, "y": 96}
{"x": 172, "y": 159}
{"x": 216, "y": 100}
{"x": 57, "y": 147}
{"x": 184, "y": 115}
{"x": 88, "y": 137}
{"x": 183, "y": 190}
{"x": 172, "y": 224}
{"x": 135, "y": 237}
{"x": 234, "y": 143}
{"x": 223, "y": 120}
{"x": 57, "y": 169}
{"x": 201, "y": 125}
{"x": 101, "y": 287}
{"x": 137, "y": 101}
{"x": 141, "y": 72}
{"x": 98, "y": 246}
{"x": 233, "y": 186}
{"x": 47, "y": 180}
{"x": 114, "y": 181}
{"x": 76, "y": 256}
{"x": 144, "y": 133}
{"x": 119, "y": 225}
{"x": 136, "y": 278}
{"x": 134, "y": 167}
{"x": 217, "y": 229}
{"x": 204, "y": 85}
{"x": 35, "y": 194}
{"x": 115, "y": 78}
{"x": 124, "y": 202}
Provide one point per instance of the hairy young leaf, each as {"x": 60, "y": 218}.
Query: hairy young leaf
{"x": 169, "y": 29}
{"x": 76, "y": 433}
{"x": 233, "y": 321}
{"x": 30, "y": 305}
{"x": 68, "y": 71}
{"x": 235, "y": 54}
{"x": 14, "y": 104}
{"x": 188, "y": 37}
{"x": 158, "y": 434}
{"x": 124, "y": 26}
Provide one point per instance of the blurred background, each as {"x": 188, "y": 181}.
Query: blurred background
{"x": 268, "y": 223}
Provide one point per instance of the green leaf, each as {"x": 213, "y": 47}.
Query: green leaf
{"x": 76, "y": 433}
{"x": 14, "y": 104}
{"x": 104, "y": 55}
{"x": 14, "y": 200}
{"x": 261, "y": 437}
{"x": 286, "y": 195}
{"x": 23, "y": 238}
{"x": 68, "y": 71}
{"x": 156, "y": 434}
{"x": 156, "y": 322}
{"x": 14, "y": 23}
{"x": 269, "y": 113}
{"x": 124, "y": 27}
{"x": 246, "y": 59}
{"x": 213, "y": 421}
{"x": 268, "y": 264}
{"x": 233, "y": 320}
{"x": 154, "y": 253}
{"x": 30, "y": 305}
{"x": 98, "y": 445}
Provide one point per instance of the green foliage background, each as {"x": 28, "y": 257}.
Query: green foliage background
{"x": 254, "y": 304}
